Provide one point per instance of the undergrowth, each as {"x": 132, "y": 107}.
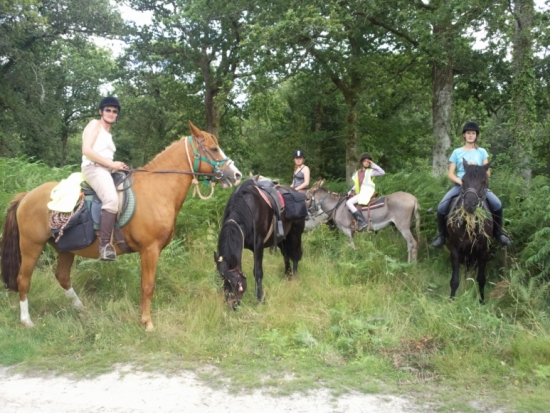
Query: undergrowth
{"x": 359, "y": 319}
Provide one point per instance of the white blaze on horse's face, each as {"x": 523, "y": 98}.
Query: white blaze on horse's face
{"x": 230, "y": 173}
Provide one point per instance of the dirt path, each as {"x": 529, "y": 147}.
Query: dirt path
{"x": 135, "y": 392}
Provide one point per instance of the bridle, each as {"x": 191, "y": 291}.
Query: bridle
{"x": 480, "y": 198}
{"x": 317, "y": 206}
{"x": 236, "y": 269}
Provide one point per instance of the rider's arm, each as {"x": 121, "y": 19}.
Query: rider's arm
{"x": 376, "y": 170}
{"x": 451, "y": 174}
{"x": 305, "y": 184}
{"x": 89, "y": 136}
{"x": 485, "y": 162}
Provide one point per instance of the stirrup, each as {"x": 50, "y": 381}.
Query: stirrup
{"x": 361, "y": 227}
{"x": 504, "y": 240}
{"x": 438, "y": 242}
{"x": 108, "y": 253}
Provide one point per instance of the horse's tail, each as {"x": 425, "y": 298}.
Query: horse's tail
{"x": 10, "y": 251}
{"x": 416, "y": 213}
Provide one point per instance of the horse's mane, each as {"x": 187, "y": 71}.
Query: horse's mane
{"x": 475, "y": 173}
{"x": 331, "y": 195}
{"x": 237, "y": 209}
{"x": 209, "y": 140}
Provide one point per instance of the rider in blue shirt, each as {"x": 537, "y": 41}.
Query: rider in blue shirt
{"x": 476, "y": 156}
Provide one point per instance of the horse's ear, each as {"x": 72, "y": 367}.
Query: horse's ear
{"x": 321, "y": 182}
{"x": 194, "y": 130}
{"x": 487, "y": 166}
{"x": 465, "y": 163}
{"x": 216, "y": 257}
{"x": 250, "y": 174}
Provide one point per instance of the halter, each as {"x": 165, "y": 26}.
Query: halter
{"x": 216, "y": 164}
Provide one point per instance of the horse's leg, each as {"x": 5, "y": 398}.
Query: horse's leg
{"x": 412, "y": 246}
{"x": 30, "y": 252}
{"x": 149, "y": 258}
{"x": 481, "y": 278}
{"x": 258, "y": 269}
{"x": 63, "y": 274}
{"x": 455, "y": 261}
{"x": 284, "y": 246}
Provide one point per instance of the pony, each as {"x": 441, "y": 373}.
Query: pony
{"x": 249, "y": 222}
{"x": 470, "y": 227}
{"x": 399, "y": 209}
{"x": 160, "y": 189}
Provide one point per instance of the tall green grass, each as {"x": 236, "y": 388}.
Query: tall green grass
{"x": 359, "y": 319}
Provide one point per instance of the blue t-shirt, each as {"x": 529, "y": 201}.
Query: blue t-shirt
{"x": 475, "y": 156}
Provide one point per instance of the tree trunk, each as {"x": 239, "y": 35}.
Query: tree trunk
{"x": 523, "y": 99}
{"x": 352, "y": 141}
{"x": 212, "y": 111}
{"x": 64, "y": 140}
{"x": 441, "y": 114}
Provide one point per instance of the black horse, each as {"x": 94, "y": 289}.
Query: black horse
{"x": 250, "y": 222}
{"x": 470, "y": 226}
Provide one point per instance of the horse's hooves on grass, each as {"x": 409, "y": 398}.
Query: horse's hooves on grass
{"x": 482, "y": 302}
{"x": 27, "y": 323}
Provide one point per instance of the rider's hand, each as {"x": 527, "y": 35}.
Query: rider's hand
{"x": 117, "y": 165}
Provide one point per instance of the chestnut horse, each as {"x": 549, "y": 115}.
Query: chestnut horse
{"x": 160, "y": 189}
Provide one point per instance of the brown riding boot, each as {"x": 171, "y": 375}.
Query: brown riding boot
{"x": 106, "y": 225}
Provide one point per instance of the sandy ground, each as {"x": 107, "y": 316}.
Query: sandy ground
{"x": 154, "y": 392}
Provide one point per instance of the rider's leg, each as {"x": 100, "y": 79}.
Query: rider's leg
{"x": 442, "y": 208}
{"x": 99, "y": 178}
{"x": 350, "y": 203}
{"x": 496, "y": 212}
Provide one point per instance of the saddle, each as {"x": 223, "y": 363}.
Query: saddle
{"x": 375, "y": 202}
{"x": 81, "y": 229}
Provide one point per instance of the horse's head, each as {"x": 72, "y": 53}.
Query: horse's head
{"x": 474, "y": 185}
{"x": 209, "y": 158}
{"x": 234, "y": 283}
{"x": 312, "y": 200}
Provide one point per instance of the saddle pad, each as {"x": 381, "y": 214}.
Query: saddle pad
{"x": 378, "y": 203}
{"x": 127, "y": 204}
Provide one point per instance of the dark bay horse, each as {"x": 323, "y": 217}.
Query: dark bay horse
{"x": 470, "y": 227}
{"x": 400, "y": 209}
{"x": 160, "y": 189}
{"x": 248, "y": 222}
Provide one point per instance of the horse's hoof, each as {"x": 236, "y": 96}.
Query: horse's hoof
{"x": 149, "y": 327}
{"x": 27, "y": 323}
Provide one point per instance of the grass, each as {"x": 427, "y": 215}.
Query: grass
{"x": 358, "y": 319}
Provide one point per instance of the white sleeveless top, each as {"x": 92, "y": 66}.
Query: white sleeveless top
{"x": 103, "y": 145}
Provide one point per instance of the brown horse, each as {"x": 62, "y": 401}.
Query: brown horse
{"x": 160, "y": 189}
{"x": 400, "y": 209}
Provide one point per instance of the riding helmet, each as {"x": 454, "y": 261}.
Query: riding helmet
{"x": 109, "y": 101}
{"x": 365, "y": 155}
{"x": 471, "y": 126}
{"x": 299, "y": 154}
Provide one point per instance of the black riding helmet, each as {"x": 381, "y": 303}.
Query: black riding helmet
{"x": 365, "y": 155}
{"x": 109, "y": 101}
{"x": 299, "y": 154}
{"x": 471, "y": 126}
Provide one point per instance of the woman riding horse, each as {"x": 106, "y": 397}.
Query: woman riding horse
{"x": 473, "y": 155}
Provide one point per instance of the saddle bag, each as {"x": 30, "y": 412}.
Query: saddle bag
{"x": 78, "y": 233}
{"x": 295, "y": 205}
